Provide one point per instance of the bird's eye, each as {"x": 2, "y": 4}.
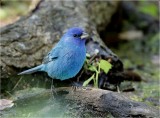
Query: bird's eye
{"x": 75, "y": 35}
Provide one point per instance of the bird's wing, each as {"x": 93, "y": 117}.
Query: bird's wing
{"x": 52, "y": 55}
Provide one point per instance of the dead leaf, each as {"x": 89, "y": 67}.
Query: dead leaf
{"x": 4, "y": 103}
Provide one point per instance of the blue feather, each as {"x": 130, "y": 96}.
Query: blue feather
{"x": 32, "y": 70}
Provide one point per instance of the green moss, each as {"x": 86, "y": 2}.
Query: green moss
{"x": 136, "y": 98}
{"x": 149, "y": 8}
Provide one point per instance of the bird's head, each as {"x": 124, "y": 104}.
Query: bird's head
{"x": 77, "y": 33}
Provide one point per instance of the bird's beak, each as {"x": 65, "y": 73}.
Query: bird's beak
{"x": 84, "y": 36}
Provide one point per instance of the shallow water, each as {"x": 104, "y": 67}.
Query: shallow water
{"x": 44, "y": 105}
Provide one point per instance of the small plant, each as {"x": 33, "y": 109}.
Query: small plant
{"x": 96, "y": 66}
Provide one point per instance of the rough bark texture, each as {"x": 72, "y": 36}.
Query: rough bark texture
{"x": 25, "y": 42}
{"x": 115, "y": 103}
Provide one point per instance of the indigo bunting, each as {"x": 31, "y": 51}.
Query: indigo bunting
{"x": 66, "y": 59}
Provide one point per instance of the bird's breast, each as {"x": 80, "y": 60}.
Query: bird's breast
{"x": 71, "y": 63}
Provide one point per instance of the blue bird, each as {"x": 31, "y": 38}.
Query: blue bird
{"x": 66, "y": 59}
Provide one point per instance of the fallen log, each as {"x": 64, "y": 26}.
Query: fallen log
{"x": 82, "y": 101}
{"x": 104, "y": 101}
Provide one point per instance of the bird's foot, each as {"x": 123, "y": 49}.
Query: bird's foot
{"x": 76, "y": 85}
{"x": 79, "y": 85}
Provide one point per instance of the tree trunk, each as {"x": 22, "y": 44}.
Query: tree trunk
{"x": 25, "y": 42}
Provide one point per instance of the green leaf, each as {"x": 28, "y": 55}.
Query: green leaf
{"x": 105, "y": 65}
{"x": 150, "y": 9}
{"x": 92, "y": 68}
{"x": 87, "y": 61}
{"x": 85, "y": 83}
{"x": 88, "y": 55}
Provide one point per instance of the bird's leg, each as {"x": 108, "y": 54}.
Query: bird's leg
{"x": 53, "y": 90}
{"x": 118, "y": 89}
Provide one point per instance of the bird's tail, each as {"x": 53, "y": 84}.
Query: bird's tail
{"x": 32, "y": 70}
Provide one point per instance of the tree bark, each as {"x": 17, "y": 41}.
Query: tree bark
{"x": 25, "y": 42}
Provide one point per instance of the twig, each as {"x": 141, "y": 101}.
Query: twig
{"x": 17, "y": 83}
